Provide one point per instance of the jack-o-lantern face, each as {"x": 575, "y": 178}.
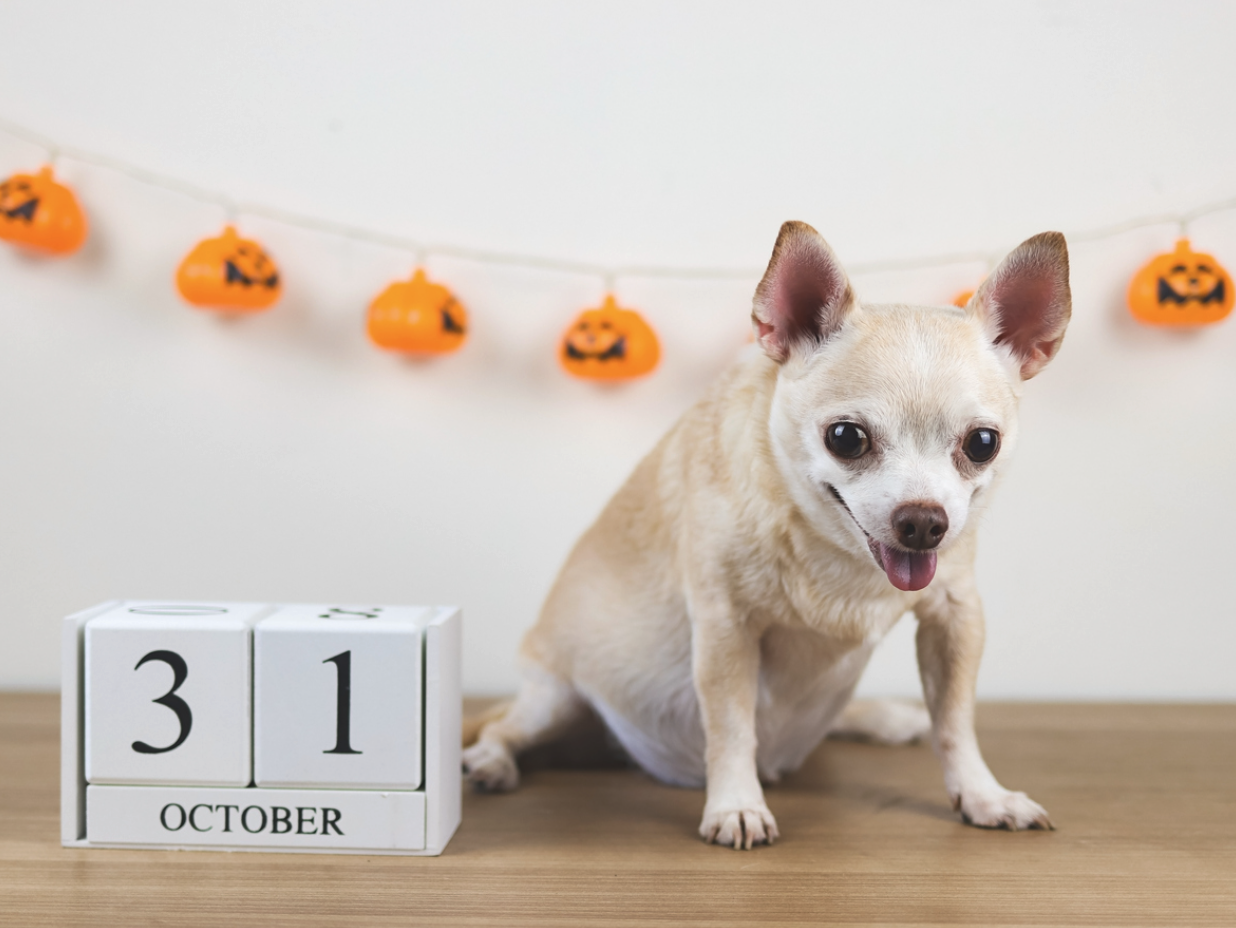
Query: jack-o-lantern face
{"x": 18, "y": 201}
{"x": 609, "y": 343}
{"x": 1183, "y": 287}
{"x": 417, "y": 317}
{"x": 229, "y": 272}
{"x": 39, "y": 213}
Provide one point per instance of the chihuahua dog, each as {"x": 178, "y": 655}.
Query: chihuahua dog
{"x": 719, "y": 613}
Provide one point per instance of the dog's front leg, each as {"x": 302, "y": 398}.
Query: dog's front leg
{"x": 950, "y": 644}
{"x": 726, "y": 667}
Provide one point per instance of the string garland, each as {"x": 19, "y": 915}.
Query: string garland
{"x": 1204, "y": 284}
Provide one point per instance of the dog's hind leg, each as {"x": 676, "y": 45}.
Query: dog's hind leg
{"x": 546, "y": 707}
{"x": 473, "y": 724}
{"x": 883, "y": 721}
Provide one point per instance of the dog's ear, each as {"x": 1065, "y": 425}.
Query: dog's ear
{"x": 804, "y": 296}
{"x": 1025, "y": 304}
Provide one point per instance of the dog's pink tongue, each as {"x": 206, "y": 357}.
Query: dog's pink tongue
{"x": 906, "y": 570}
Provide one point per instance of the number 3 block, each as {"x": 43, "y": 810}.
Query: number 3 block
{"x": 167, "y": 694}
{"x": 337, "y": 697}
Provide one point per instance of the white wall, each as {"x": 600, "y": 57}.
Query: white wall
{"x": 148, "y": 450}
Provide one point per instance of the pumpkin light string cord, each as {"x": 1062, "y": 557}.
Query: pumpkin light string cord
{"x": 609, "y": 275}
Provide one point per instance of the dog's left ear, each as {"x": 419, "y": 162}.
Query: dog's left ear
{"x": 804, "y": 296}
{"x": 1025, "y": 304}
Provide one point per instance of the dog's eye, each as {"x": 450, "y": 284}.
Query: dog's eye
{"x": 846, "y": 440}
{"x": 982, "y": 444}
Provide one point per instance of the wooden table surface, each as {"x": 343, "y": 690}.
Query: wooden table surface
{"x": 1144, "y": 798}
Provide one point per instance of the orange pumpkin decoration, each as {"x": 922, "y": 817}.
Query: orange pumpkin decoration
{"x": 37, "y": 212}
{"x": 962, "y": 299}
{"x": 609, "y": 343}
{"x": 229, "y": 272}
{"x": 417, "y": 317}
{"x": 1181, "y": 287}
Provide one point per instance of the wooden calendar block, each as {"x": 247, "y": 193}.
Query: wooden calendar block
{"x": 374, "y": 692}
{"x": 167, "y": 694}
{"x": 337, "y": 697}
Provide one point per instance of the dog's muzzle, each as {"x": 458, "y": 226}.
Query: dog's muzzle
{"x": 919, "y": 526}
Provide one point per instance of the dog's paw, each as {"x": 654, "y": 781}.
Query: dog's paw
{"x": 883, "y": 721}
{"x": 741, "y": 829}
{"x": 489, "y": 766}
{"x": 902, "y": 723}
{"x": 1002, "y": 808}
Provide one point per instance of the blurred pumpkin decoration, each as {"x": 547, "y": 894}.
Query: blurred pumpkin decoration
{"x": 230, "y": 273}
{"x": 1181, "y": 287}
{"x": 609, "y": 343}
{"x": 417, "y": 317}
{"x": 962, "y": 299}
{"x": 39, "y": 213}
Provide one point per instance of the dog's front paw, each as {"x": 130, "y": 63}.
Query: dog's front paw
{"x": 489, "y": 766}
{"x": 741, "y": 829}
{"x": 1001, "y": 808}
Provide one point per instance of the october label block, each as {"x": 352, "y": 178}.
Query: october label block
{"x": 268, "y": 818}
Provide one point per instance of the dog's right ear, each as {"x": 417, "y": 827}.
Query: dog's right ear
{"x": 804, "y": 296}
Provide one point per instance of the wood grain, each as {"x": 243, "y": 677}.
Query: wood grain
{"x": 1144, "y": 798}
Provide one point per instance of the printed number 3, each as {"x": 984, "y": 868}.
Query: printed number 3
{"x": 169, "y": 699}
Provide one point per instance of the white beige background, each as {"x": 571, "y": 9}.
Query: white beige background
{"x": 149, "y": 450}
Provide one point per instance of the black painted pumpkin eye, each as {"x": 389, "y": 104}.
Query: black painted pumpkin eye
{"x": 846, "y": 440}
{"x": 981, "y": 445}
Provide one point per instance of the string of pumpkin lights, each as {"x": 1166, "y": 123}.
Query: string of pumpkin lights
{"x": 233, "y": 274}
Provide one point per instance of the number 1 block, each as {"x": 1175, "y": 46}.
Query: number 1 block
{"x": 167, "y": 694}
{"x": 337, "y": 697}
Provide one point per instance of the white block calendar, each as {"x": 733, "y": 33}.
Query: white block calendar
{"x": 327, "y": 728}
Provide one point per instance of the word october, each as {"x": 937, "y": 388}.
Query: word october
{"x": 251, "y": 726}
{"x": 278, "y": 816}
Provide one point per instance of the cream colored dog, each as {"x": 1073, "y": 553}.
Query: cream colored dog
{"x": 719, "y": 613}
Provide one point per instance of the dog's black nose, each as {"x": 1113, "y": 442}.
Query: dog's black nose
{"x": 920, "y": 526}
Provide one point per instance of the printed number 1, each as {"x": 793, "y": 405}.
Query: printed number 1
{"x": 343, "y": 703}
